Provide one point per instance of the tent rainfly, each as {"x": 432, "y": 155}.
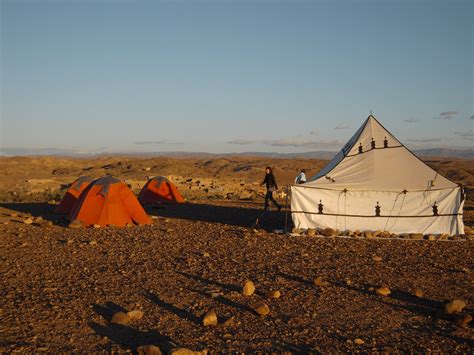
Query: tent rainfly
{"x": 376, "y": 183}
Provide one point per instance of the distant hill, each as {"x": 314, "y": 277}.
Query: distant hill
{"x": 326, "y": 155}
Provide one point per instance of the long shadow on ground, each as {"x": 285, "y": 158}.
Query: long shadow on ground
{"x": 36, "y": 209}
{"x": 123, "y": 335}
{"x": 232, "y": 215}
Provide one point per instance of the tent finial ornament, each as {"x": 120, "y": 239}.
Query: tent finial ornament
{"x": 320, "y": 207}
{"x": 435, "y": 209}
{"x": 385, "y": 143}
{"x": 360, "y": 148}
{"x": 372, "y": 143}
{"x": 377, "y": 210}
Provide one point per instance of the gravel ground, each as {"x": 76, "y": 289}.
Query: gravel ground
{"x": 62, "y": 286}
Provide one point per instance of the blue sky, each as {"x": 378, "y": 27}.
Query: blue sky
{"x": 231, "y": 76}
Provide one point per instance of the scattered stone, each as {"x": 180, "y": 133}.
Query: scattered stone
{"x": 368, "y": 234}
{"x": 96, "y": 225}
{"x": 431, "y": 237}
{"x": 311, "y": 232}
{"x": 274, "y": 294}
{"x": 417, "y": 292}
{"x": 93, "y": 242}
{"x": 328, "y": 232}
{"x": 210, "y": 318}
{"x": 120, "y": 318}
{"x": 348, "y": 282}
{"x": 262, "y": 309}
{"x": 318, "y": 281}
{"x": 148, "y": 350}
{"x": 455, "y": 306}
{"x": 464, "y": 320}
{"x": 248, "y": 289}
{"x": 206, "y": 254}
{"x": 416, "y": 236}
{"x": 28, "y": 221}
{"x": 358, "y": 341}
{"x": 75, "y": 224}
{"x": 377, "y": 258}
{"x": 135, "y": 315}
{"x": 383, "y": 291}
{"x": 296, "y": 231}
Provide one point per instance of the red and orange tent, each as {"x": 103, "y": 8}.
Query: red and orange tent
{"x": 72, "y": 194}
{"x": 108, "y": 201}
{"x": 159, "y": 190}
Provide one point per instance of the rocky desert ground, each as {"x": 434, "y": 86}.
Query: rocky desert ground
{"x": 203, "y": 279}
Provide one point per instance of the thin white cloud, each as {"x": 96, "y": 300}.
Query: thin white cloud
{"x": 411, "y": 120}
{"x": 158, "y": 142}
{"x": 241, "y": 142}
{"x": 424, "y": 140}
{"x": 447, "y": 115}
{"x": 342, "y": 126}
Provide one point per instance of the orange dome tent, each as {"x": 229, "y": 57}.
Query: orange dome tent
{"x": 108, "y": 201}
{"x": 159, "y": 190}
{"x": 72, "y": 194}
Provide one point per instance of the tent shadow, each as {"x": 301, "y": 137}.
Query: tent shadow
{"x": 123, "y": 335}
{"x": 231, "y": 215}
{"x": 182, "y": 313}
{"x": 36, "y": 209}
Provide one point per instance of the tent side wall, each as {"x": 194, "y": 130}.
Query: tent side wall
{"x": 429, "y": 212}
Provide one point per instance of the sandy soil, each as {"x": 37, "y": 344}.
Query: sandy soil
{"x": 62, "y": 286}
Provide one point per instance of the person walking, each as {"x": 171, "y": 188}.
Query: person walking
{"x": 271, "y": 186}
{"x": 301, "y": 178}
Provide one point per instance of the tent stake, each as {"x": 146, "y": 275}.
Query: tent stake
{"x": 286, "y": 210}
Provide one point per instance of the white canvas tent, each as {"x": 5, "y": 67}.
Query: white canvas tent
{"x": 376, "y": 183}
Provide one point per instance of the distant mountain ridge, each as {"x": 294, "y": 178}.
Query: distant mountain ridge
{"x": 326, "y": 155}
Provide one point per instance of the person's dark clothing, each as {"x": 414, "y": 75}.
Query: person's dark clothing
{"x": 270, "y": 182}
{"x": 271, "y": 185}
{"x": 269, "y": 197}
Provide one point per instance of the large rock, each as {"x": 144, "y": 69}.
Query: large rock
{"x": 274, "y": 294}
{"x": 248, "y": 289}
{"x": 210, "y": 318}
{"x": 262, "y": 309}
{"x": 120, "y": 318}
{"x": 383, "y": 291}
{"x": 455, "y": 306}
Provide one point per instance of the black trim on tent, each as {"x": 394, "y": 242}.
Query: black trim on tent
{"x": 381, "y": 216}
